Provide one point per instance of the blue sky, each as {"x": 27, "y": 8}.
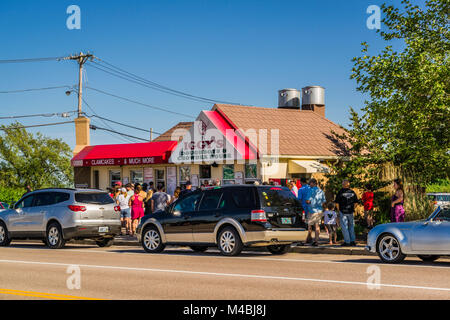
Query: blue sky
{"x": 234, "y": 50}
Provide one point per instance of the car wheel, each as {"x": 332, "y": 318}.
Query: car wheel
{"x": 428, "y": 258}
{"x": 151, "y": 240}
{"x": 4, "y": 238}
{"x": 279, "y": 249}
{"x": 229, "y": 242}
{"x": 389, "y": 250}
{"x": 54, "y": 236}
{"x": 199, "y": 248}
{"x": 105, "y": 242}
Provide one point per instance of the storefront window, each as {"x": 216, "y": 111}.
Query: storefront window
{"x": 114, "y": 176}
{"x": 228, "y": 173}
{"x": 137, "y": 176}
{"x": 205, "y": 172}
{"x": 251, "y": 171}
{"x": 160, "y": 178}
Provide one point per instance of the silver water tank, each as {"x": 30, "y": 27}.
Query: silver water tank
{"x": 289, "y": 99}
{"x": 313, "y": 95}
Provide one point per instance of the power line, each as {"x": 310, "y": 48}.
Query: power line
{"x": 36, "y": 125}
{"x": 126, "y": 139}
{"x": 145, "y": 84}
{"x": 31, "y": 60}
{"x": 155, "y": 85}
{"x": 61, "y": 114}
{"x": 113, "y": 131}
{"x": 35, "y": 89}
{"x": 139, "y": 103}
{"x": 125, "y": 125}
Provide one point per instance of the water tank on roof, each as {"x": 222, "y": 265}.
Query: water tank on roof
{"x": 289, "y": 99}
{"x": 313, "y": 95}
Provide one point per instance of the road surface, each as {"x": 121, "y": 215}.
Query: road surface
{"x": 31, "y": 271}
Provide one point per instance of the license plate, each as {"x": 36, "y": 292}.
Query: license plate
{"x": 286, "y": 220}
{"x": 103, "y": 229}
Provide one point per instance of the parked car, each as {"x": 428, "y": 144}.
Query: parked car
{"x": 230, "y": 217}
{"x": 428, "y": 239}
{"x": 440, "y": 199}
{"x": 4, "y": 206}
{"x": 58, "y": 215}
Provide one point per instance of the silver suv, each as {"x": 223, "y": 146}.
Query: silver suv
{"x": 58, "y": 215}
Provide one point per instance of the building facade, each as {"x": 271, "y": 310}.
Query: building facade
{"x": 233, "y": 143}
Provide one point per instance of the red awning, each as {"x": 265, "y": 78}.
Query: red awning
{"x": 125, "y": 154}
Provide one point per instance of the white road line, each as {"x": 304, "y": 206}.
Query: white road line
{"x": 251, "y": 276}
{"x": 258, "y": 256}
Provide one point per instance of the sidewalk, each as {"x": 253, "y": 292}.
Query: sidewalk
{"x": 322, "y": 248}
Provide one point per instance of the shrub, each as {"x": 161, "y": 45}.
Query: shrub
{"x": 10, "y": 195}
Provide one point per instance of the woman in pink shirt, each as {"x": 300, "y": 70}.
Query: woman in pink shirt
{"x": 137, "y": 209}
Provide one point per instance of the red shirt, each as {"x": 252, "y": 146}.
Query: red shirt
{"x": 367, "y": 199}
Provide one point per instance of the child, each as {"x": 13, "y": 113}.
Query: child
{"x": 330, "y": 217}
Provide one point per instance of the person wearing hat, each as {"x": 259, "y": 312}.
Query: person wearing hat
{"x": 186, "y": 191}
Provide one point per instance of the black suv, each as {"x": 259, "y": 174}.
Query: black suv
{"x": 229, "y": 217}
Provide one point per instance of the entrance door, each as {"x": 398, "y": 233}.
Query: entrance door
{"x": 160, "y": 178}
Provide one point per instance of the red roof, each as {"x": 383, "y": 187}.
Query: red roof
{"x": 229, "y": 132}
{"x": 124, "y": 154}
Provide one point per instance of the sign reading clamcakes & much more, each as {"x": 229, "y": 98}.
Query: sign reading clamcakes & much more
{"x": 114, "y": 162}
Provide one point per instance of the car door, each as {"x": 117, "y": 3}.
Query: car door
{"x": 42, "y": 203}
{"x": 177, "y": 224}
{"x": 18, "y": 219}
{"x": 209, "y": 213}
{"x": 433, "y": 236}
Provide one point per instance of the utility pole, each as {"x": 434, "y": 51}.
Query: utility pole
{"x": 81, "y": 59}
{"x": 151, "y": 134}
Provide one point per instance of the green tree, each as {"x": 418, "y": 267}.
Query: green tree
{"x": 407, "y": 116}
{"x": 31, "y": 159}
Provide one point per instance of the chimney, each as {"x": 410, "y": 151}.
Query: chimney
{"x": 289, "y": 99}
{"x": 313, "y": 98}
{"x": 82, "y": 137}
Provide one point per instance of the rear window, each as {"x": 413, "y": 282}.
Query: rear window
{"x": 443, "y": 197}
{"x": 277, "y": 197}
{"x": 93, "y": 198}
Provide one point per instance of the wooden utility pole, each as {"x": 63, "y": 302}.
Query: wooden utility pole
{"x": 81, "y": 59}
{"x": 151, "y": 134}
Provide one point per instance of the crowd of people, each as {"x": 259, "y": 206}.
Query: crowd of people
{"x": 340, "y": 211}
{"x": 137, "y": 200}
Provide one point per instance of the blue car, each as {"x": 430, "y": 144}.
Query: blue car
{"x": 428, "y": 239}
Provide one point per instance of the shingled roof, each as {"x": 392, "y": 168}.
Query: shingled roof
{"x": 167, "y": 136}
{"x": 301, "y": 132}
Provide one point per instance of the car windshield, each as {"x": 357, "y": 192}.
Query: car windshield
{"x": 435, "y": 212}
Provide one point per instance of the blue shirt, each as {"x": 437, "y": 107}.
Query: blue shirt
{"x": 317, "y": 198}
{"x": 303, "y": 195}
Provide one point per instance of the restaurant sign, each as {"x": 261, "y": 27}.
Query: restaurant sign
{"x": 206, "y": 142}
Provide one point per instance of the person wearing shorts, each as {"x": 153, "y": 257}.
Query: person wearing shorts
{"x": 316, "y": 202}
{"x": 125, "y": 210}
{"x": 330, "y": 219}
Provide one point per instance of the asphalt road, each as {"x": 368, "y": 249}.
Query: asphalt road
{"x": 31, "y": 271}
